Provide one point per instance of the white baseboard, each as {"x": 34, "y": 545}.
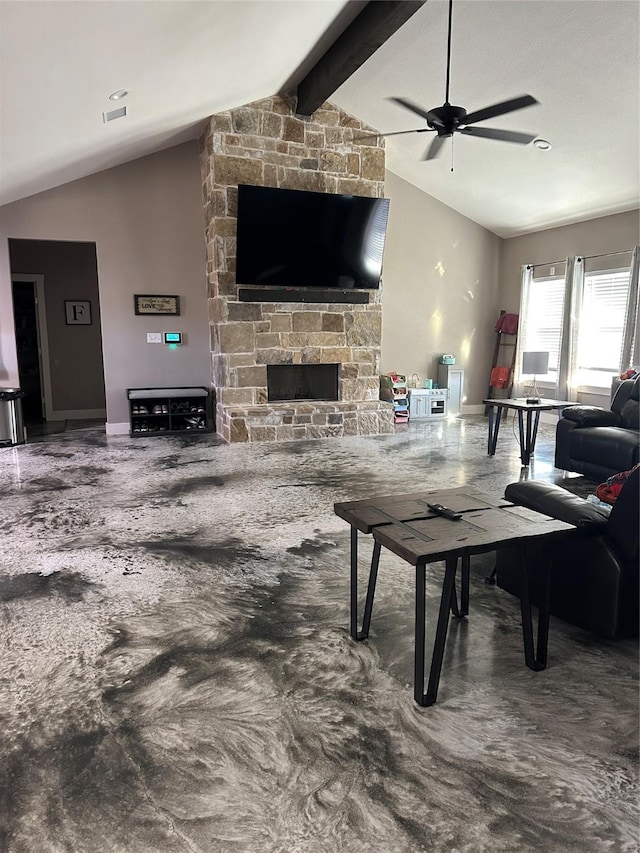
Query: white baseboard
{"x": 117, "y": 429}
{"x": 476, "y": 409}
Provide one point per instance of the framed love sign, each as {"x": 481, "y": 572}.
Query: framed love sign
{"x": 156, "y": 304}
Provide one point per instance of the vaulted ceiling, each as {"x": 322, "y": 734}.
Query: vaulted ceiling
{"x": 182, "y": 61}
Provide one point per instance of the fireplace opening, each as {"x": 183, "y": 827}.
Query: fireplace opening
{"x": 302, "y": 382}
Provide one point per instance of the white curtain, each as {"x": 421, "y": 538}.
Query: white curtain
{"x": 525, "y": 292}
{"x": 631, "y": 342}
{"x": 574, "y": 286}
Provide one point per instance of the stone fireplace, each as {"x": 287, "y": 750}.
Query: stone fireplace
{"x": 288, "y": 370}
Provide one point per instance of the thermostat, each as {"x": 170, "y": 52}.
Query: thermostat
{"x": 173, "y": 337}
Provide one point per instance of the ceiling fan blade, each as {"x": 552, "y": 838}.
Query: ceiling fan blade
{"x": 372, "y": 136}
{"x": 500, "y": 109}
{"x": 434, "y": 149}
{"x": 496, "y": 133}
{"x": 409, "y": 105}
{"x": 415, "y": 130}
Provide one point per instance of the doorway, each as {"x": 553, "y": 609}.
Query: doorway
{"x": 27, "y": 315}
{"x": 70, "y": 385}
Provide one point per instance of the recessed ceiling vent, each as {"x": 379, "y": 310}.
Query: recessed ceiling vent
{"x": 119, "y": 112}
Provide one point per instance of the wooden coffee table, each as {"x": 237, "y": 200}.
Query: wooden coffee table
{"x": 406, "y": 526}
{"x": 527, "y": 433}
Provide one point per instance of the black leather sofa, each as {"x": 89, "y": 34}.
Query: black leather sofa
{"x": 593, "y": 579}
{"x": 600, "y": 442}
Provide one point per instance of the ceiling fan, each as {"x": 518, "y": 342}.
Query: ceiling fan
{"x": 448, "y": 119}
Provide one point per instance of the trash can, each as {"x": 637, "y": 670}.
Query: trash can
{"x": 11, "y": 421}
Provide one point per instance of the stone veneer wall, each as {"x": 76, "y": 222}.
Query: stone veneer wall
{"x": 266, "y": 144}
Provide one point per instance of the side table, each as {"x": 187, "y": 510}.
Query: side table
{"x": 528, "y": 432}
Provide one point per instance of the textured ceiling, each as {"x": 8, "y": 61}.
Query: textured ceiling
{"x": 579, "y": 58}
{"x": 183, "y": 61}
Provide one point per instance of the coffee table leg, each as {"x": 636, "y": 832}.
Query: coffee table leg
{"x": 421, "y": 631}
{"x": 463, "y": 610}
{"x": 371, "y": 587}
{"x": 428, "y": 698}
{"x": 371, "y": 591}
{"x": 354, "y": 582}
{"x": 535, "y": 660}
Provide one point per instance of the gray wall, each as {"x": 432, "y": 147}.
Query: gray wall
{"x": 146, "y": 220}
{"x": 617, "y": 233}
{"x": 440, "y": 282}
{"x": 445, "y": 277}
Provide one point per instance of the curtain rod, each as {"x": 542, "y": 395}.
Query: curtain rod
{"x": 581, "y": 258}
{"x": 604, "y": 255}
{"x": 546, "y": 264}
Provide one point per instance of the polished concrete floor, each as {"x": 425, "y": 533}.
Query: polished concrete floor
{"x": 176, "y": 672}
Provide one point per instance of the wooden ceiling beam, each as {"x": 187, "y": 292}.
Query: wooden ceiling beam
{"x": 377, "y": 22}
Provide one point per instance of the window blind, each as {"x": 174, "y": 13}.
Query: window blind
{"x": 602, "y": 322}
{"x": 545, "y": 311}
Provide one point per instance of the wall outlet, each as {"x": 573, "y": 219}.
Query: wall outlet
{"x": 154, "y": 337}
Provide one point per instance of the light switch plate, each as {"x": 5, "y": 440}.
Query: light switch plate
{"x": 154, "y": 337}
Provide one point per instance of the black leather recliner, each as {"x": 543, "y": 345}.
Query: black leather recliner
{"x": 600, "y": 442}
{"x": 594, "y": 579}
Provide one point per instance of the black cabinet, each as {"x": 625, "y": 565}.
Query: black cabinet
{"x": 168, "y": 410}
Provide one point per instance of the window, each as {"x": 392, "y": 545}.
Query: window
{"x": 542, "y": 311}
{"x": 601, "y": 328}
{"x": 584, "y": 313}
{"x": 542, "y": 330}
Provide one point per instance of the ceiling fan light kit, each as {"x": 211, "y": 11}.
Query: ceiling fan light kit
{"x": 448, "y": 119}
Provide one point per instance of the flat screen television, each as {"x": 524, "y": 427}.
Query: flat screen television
{"x": 293, "y": 238}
